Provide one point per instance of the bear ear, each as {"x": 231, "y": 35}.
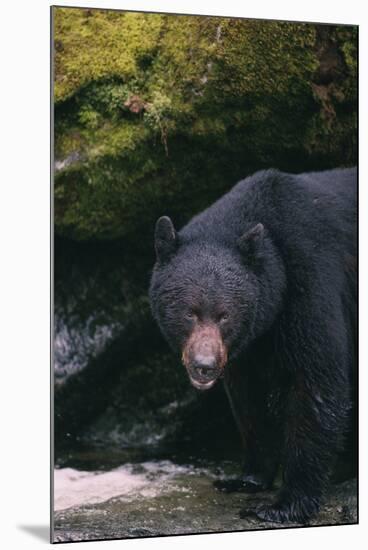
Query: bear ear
{"x": 166, "y": 239}
{"x": 250, "y": 243}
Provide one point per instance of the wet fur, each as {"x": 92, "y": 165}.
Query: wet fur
{"x": 292, "y": 343}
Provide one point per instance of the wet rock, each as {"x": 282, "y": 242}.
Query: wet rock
{"x": 165, "y": 498}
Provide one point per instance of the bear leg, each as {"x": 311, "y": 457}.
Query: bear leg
{"x": 318, "y": 406}
{"x": 259, "y": 432}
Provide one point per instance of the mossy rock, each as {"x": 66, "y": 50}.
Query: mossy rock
{"x": 161, "y": 114}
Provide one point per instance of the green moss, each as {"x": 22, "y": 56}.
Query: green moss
{"x": 166, "y": 112}
{"x": 92, "y": 44}
{"x": 347, "y": 38}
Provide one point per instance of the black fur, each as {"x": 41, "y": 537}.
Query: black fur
{"x": 278, "y": 254}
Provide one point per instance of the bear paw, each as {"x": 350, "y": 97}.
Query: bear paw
{"x": 295, "y": 511}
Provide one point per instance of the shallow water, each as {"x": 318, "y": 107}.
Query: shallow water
{"x": 160, "y": 496}
{"x": 131, "y": 482}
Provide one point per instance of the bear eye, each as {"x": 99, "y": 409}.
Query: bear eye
{"x": 223, "y": 317}
{"x": 190, "y": 315}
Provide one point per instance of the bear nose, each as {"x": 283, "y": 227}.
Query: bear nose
{"x": 204, "y": 368}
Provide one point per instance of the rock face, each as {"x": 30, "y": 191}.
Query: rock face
{"x": 158, "y": 114}
{"x": 116, "y": 382}
{"x": 156, "y": 111}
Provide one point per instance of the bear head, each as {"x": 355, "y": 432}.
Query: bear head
{"x": 209, "y": 298}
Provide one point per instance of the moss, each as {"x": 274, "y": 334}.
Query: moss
{"x": 166, "y": 112}
{"x": 92, "y": 44}
{"x": 347, "y": 38}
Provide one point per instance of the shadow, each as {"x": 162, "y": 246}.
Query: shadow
{"x": 41, "y": 532}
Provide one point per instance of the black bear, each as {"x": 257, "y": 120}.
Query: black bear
{"x": 260, "y": 289}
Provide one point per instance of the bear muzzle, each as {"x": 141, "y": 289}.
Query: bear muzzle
{"x": 204, "y": 356}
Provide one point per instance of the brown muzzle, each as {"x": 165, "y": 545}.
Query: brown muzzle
{"x": 204, "y": 356}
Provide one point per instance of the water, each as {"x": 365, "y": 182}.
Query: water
{"x": 123, "y": 496}
{"x": 128, "y": 483}
{"x": 76, "y": 344}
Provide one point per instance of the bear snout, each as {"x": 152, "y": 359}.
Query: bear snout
{"x": 204, "y": 356}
